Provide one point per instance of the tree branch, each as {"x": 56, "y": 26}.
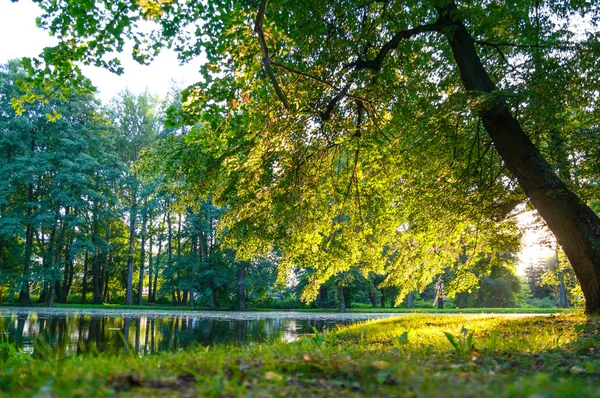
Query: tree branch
{"x": 326, "y": 114}
{"x": 564, "y": 47}
{"x": 258, "y": 28}
{"x": 342, "y": 92}
{"x": 375, "y": 64}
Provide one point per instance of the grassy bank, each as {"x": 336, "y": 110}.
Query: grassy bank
{"x": 449, "y": 310}
{"x": 319, "y": 310}
{"x": 410, "y": 356}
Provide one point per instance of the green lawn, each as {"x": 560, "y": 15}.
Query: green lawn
{"x": 554, "y": 356}
{"x": 351, "y": 310}
{"x": 450, "y": 310}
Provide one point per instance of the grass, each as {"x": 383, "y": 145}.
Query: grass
{"x": 350, "y": 310}
{"x": 414, "y": 356}
{"x": 449, "y": 310}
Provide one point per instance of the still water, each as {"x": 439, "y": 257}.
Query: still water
{"x": 72, "y": 332}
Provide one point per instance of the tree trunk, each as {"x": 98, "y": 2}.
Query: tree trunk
{"x": 179, "y": 236}
{"x": 323, "y": 296}
{"x": 43, "y": 252}
{"x": 170, "y": 253}
{"x": 562, "y": 298}
{"x": 105, "y": 290}
{"x": 191, "y": 293}
{"x": 58, "y": 254}
{"x": 51, "y": 293}
{"x": 142, "y": 255}
{"x": 96, "y": 283}
{"x": 50, "y": 261}
{"x": 154, "y": 283}
{"x": 69, "y": 264}
{"x": 179, "y": 301}
{"x": 194, "y": 253}
{"x": 342, "y": 301}
{"x": 382, "y": 290}
{"x": 373, "y": 294}
{"x": 24, "y": 297}
{"x": 96, "y": 278}
{"x": 409, "y": 300}
{"x": 132, "y": 216}
{"x": 150, "y": 265}
{"x": 84, "y": 286}
{"x": 574, "y": 224}
{"x": 373, "y": 298}
{"x": 154, "y": 287}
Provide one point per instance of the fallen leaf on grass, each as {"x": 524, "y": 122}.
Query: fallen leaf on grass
{"x": 273, "y": 376}
{"x": 381, "y": 365}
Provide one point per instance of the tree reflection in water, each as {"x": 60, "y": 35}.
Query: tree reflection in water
{"x": 72, "y": 334}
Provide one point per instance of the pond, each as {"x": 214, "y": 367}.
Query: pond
{"x": 75, "y": 331}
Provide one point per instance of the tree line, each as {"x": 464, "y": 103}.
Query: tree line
{"x": 81, "y": 217}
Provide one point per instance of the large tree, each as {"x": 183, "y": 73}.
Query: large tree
{"x": 352, "y": 131}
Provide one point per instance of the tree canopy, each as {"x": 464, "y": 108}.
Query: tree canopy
{"x": 393, "y": 136}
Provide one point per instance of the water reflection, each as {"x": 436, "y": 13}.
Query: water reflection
{"x": 73, "y": 334}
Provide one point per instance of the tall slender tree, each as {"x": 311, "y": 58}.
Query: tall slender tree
{"x": 138, "y": 122}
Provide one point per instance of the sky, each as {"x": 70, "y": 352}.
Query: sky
{"x": 532, "y": 250}
{"x": 21, "y": 38}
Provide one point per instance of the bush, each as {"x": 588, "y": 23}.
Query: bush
{"x": 361, "y": 305}
{"x": 544, "y": 302}
{"x": 278, "y": 304}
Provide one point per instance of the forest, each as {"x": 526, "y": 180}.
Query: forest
{"x": 89, "y": 215}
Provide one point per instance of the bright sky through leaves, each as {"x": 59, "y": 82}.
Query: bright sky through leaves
{"x": 21, "y": 38}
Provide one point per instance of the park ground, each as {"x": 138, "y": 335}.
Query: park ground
{"x": 420, "y": 355}
{"x": 359, "y": 310}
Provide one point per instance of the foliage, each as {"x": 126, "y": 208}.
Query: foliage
{"x": 57, "y": 183}
{"x": 463, "y": 343}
